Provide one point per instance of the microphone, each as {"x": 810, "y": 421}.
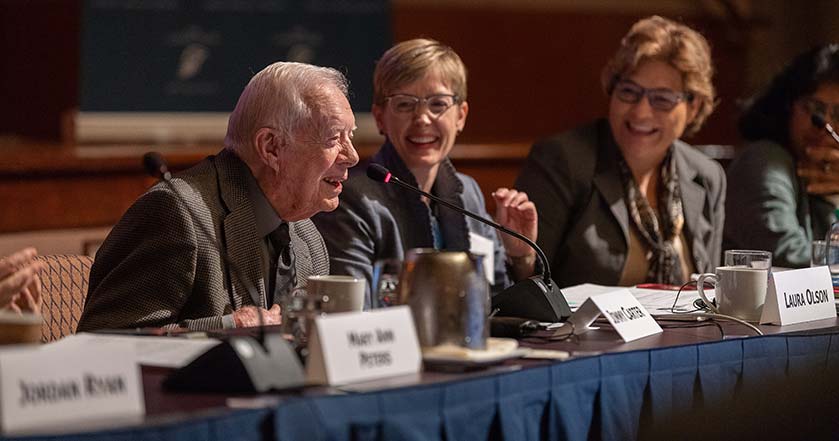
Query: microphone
{"x": 379, "y": 173}
{"x": 820, "y": 123}
{"x": 239, "y": 364}
{"x": 535, "y": 298}
{"x": 156, "y": 167}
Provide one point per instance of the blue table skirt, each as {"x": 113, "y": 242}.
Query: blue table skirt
{"x": 606, "y": 397}
{"x": 238, "y": 425}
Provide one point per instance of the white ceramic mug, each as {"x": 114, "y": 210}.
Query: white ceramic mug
{"x": 740, "y": 291}
{"x": 337, "y": 293}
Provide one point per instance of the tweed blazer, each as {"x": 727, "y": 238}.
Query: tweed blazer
{"x": 574, "y": 180}
{"x": 161, "y": 265}
{"x": 769, "y": 208}
{"x": 376, "y": 221}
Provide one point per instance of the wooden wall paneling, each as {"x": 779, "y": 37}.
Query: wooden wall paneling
{"x": 39, "y": 74}
{"x": 46, "y": 186}
{"x": 533, "y": 73}
{"x": 69, "y": 201}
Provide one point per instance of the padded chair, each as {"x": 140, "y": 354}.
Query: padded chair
{"x": 64, "y": 288}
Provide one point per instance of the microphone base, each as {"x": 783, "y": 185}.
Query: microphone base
{"x": 531, "y": 299}
{"x": 512, "y": 327}
{"x": 241, "y": 365}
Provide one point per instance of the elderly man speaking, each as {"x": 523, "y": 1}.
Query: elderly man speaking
{"x": 287, "y": 151}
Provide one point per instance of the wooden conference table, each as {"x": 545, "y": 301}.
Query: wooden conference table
{"x": 607, "y": 390}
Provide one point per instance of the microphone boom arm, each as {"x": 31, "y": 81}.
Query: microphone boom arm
{"x": 536, "y": 297}
{"x": 546, "y": 271}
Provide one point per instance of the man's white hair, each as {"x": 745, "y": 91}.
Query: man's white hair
{"x": 282, "y": 96}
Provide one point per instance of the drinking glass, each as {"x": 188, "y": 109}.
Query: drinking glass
{"x": 385, "y": 282}
{"x": 299, "y": 310}
{"x": 818, "y": 252}
{"x": 749, "y": 259}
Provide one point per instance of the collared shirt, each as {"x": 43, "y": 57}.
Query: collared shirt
{"x": 267, "y": 220}
{"x": 376, "y": 222}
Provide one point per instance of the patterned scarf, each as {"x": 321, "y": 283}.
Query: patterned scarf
{"x": 660, "y": 236}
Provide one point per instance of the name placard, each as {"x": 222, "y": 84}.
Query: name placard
{"x": 484, "y": 247}
{"x": 629, "y": 318}
{"x": 797, "y": 296}
{"x": 358, "y": 346}
{"x": 45, "y": 387}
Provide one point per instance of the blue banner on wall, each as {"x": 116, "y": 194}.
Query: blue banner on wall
{"x": 198, "y": 55}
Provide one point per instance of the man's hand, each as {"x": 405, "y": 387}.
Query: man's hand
{"x": 515, "y": 211}
{"x": 20, "y": 287}
{"x": 248, "y": 316}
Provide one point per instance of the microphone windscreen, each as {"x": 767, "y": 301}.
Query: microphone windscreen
{"x": 818, "y": 120}
{"x": 154, "y": 164}
{"x": 378, "y": 173}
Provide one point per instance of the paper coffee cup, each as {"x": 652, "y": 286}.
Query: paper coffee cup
{"x": 20, "y": 328}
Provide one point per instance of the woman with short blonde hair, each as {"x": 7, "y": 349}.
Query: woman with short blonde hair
{"x": 419, "y": 103}
{"x": 411, "y": 60}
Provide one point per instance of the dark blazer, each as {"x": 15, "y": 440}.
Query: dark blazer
{"x": 376, "y": 221}
{"x": 159, "y": 268}
{"x": 574, "y": 180}
{"x": 769, "y": 208}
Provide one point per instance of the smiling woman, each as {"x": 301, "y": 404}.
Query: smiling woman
{"x": 785, "y": 187}
{"x": 420, "y": 106}
{"x": 624, "y": 201}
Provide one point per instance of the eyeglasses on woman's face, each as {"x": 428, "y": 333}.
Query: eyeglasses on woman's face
{"x": 437, "y": 105}
{"x": 660, "y": 99}
{"x": 815, "y": 106}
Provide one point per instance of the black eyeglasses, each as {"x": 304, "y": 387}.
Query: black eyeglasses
{"x": 825, "y": 110}
{"x": 407, "y": 104}
{"x": 659, "y": 99}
